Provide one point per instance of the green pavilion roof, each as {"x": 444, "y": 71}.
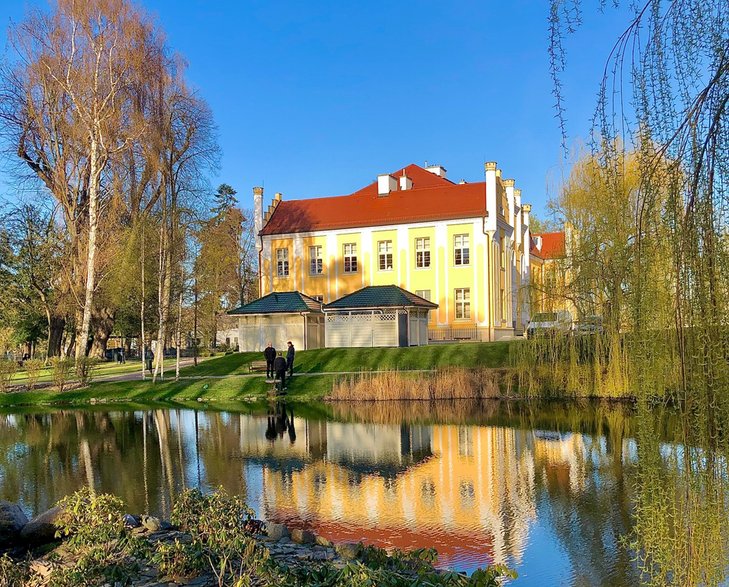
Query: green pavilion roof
{"x": 280, "y": 302}
{"x": 380, "y": 296}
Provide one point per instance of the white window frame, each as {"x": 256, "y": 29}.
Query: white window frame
{"x": 350, "y": 257}
{"x": 384, "y": 255}
{"x": 422, "y": 252}
{"x": 282, "y": 262}
{"x": 462, "y": 303}
{"x": 461, "y": 250}
{"x": 316, "y": 260}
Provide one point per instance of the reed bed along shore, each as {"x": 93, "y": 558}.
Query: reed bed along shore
{"x": 444, "y": 384}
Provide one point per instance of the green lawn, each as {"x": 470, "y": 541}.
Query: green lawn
{"x": 487, "y": 354}
{"x": 219, "y": 382}
{"x": 229, "y": 389}
{"x": 103, "y": 369}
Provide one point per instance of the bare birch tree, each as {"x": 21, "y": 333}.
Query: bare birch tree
{"x": 69, "y": 112}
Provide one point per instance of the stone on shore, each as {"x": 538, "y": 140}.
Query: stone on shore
{"x": 12, "y": 520}
{"x": 348, "y": 550}
{"x": 321, "y": 541}
{"x": 42, "y": 528}
{"x": 276, "y": 531}
{"x": 151, "y": 523}
{"x": 302, "y": 536}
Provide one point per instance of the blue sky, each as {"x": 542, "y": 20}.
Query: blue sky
{"x": 317, "y": 98}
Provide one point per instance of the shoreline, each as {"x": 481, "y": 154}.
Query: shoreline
{"x": 211, "y": 539}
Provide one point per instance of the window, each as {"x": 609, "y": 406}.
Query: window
{"x": 316, "y": 263}
{"x": 384, "y": 250}
{"x": 461, "y": 250}
{"x": 463, "y": 303}
{"x": 282, "y": 262}
{"x": 425, "y": 294}
{"x": 422, "y": 252}
{"x": 350, "y": 257}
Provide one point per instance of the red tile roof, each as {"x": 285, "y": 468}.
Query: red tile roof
{"x": 430, "y": 198}
{"x": 553, "y": 245}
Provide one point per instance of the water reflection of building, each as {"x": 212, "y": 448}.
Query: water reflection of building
{"x": 467, "y": 491}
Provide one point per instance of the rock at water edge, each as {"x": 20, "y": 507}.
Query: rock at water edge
{"x": 43, "y": 527}
{"x": 12, "y": 520}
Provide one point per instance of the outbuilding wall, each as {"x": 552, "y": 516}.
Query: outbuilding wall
{"x": 257, "y": 331}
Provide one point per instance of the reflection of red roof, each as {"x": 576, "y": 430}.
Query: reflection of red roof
{"x": 430, "y": 198}
{"x": 452, "y": 547}
{"x": 553, "y": 245}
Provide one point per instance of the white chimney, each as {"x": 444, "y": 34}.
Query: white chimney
{"x": 525, "y": 210}
{"x": 509, "y": 187}
{"x": 405, "y": 182}
{"x": 518, "y": 215}
{"x": 491, "y": 209}
{"x": 438, "y": 170}
{"x": 258, "y": 213}
{"x": 386, "y": 183}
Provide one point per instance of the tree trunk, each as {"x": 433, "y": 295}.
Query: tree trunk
{"x": 56, "y": 326}
{"x": 194, "y": 327}
{"x": 163, "y": 293}
{"x": 179, "y": 333}
{"x": 141, "y": 313}
{"x": 94, "y": 175}
{"x": 103, "y": 324}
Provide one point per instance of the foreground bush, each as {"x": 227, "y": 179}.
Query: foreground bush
{"x": 7, "y": 370}
{"x": 216, "y": 543}
{"x": 33, "y": 368}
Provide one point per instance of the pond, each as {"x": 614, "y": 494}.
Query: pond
{"x": 543, "y": 488}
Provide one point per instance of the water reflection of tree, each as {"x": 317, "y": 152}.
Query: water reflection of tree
{"x": 682, "y": 527}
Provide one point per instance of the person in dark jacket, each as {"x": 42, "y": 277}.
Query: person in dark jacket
{"x": 149, "y": 357}
{"x": 279, "y": 366}
{"x": 270, "y": 355}
{"x": 290, "y": 358}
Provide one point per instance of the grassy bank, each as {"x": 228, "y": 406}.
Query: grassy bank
{"x": 490, "y": 354}
{"x": 102, "y": 370}
{"x": 227, "y": 378}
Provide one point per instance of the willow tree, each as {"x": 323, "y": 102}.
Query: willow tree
{"x": 665, "y": 94}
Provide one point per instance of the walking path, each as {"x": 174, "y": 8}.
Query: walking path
{"x": 169, "y": 374}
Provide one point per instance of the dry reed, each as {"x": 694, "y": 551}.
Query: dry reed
{"x": 446, "y": 384}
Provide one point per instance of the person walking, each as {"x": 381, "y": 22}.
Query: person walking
{"x": 290, "y": 358}
{"x": 270, "y": 355}
{"x": 149, "y": 357}
{"x": 279, "y": 366}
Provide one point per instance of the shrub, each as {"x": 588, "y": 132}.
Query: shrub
{"x": 62, "y": 368}
{"x": 178, "y": 559}
{"x": 89, "y": 518}
{"x": 217, "y": 524}
{"x": 85, "y": 369}
{"x": 7, "y": 370}
{"x": 12, "y": 573}
{"x": 33, "y": 368}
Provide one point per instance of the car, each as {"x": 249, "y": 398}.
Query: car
{"x": 549, "y": 323}
{"x": 589, "y": 325}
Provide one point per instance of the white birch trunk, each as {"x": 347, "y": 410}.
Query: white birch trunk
{"x": 179, "y": 333}
{"x": 94, "y": 175}
{"x": 141, "y": 312}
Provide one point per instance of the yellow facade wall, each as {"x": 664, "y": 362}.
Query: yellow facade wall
{"x": 460, "y": 276}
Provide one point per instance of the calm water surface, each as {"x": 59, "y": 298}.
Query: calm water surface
{"x": 544, "y": 489}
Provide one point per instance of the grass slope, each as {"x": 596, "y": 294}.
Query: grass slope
{"x": 218, "y": 382}
{"x": 488, "y": 354}
{"x": 232, "y": 389}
